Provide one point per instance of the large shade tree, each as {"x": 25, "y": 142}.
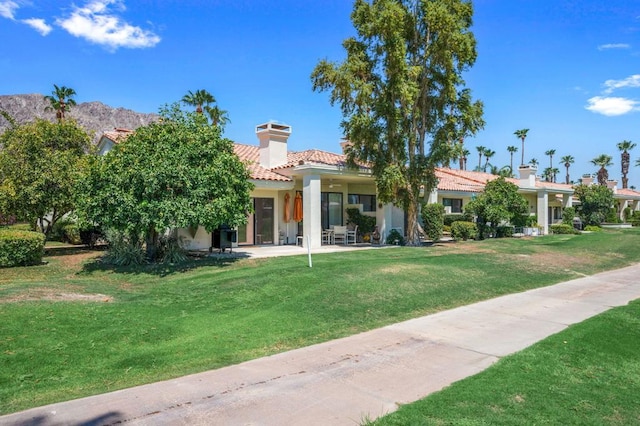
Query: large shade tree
{"x": 624, "y": 147}
{"x": 178, "y": 172}
{"x": 39, "y": 164}
{"x": 402, "y": 94}
{"x": 60, "y": 100}
{"x": 595, "y": 203}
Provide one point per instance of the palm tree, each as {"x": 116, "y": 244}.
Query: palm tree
{"x": 554, "y": 173}
{"x": 60, "y": 99}
{"x": 512, "y": 150}
{"x": 480, "y": 150}
{"x": 533, "y": 162}
{"x": 522, "y": 134}
{"x": 603, "y": 161}
{"x": 547, "y": 174}
{"x": 568, "y": 160}
{"x": 463, "y": 159}
{"x": 625, "y": 146}
{"x": 550, "y": 153}
{"x": 198, "y": 99}
{"x": 219, "y": 117}
{"x": 488, "y": 153}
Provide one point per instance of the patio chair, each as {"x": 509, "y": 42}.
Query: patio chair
{"x": 340, "y": 234}
{"x": 352, "y": 235}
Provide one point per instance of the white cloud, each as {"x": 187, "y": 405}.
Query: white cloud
{"x": 612, "y": 106}
{"x": 97, "y": 23}
{"x": 8, "y": 9}
{"x": 614, "y": 46}
{"x": 631, "y": 81}
{"x": 39, "y": 25}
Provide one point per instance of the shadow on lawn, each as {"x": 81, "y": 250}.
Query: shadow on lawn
{"x": 164, "y": 269}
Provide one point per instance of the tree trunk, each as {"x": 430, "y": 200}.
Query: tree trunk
{"x": 151, "y": 240}
{"x": 413, "y": 229}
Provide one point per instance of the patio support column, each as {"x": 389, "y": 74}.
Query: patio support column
{"x": 384, "y": 220}
{"x": 312, "y": 213}
{"x": 543, "y": 211}
{"x": 567, "y": 200}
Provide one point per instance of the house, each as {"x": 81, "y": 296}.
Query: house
{"x": 328, "y": 187}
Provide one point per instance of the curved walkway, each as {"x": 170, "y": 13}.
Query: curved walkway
{"x": 345, "y": 381}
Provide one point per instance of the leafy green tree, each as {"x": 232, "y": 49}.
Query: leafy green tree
{"x": 433, "y": 219}
{"x": 402, "y": 94}
{"x": 39, "y": 163}
{"x": 178, "y": 172}
{"x": 200, "y": 99}
{"x": 60, "y": 100}
{"x": 595, "y": 203}
{"x": 512, "y": 150}
{"x": 568, "y": 160}
{"x": 604, "y": 161}
{"x": 500, "y": 202}
{"x": 522, "y": 135}
{"x": 624, "y": 147}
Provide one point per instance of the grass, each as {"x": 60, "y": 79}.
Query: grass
{"x": 75, "y": 327}
{"x": 588, "y": 374}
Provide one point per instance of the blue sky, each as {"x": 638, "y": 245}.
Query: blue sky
{"x": 568, "y": 70}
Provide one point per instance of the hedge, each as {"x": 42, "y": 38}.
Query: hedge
{"x": 461, "y": 230}
{"x": 21, "y": 247}
{"x": 562, "y": 228}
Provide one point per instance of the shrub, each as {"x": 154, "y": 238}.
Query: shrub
{"x": 455, "y": 217}
{"x": 462, "y": 230}
{"x": 627, "y": 213}
{"x": 395, "y": 238}
{"x": 66, "y": 231}
{"x": 21, "y": 248}
{"x": 567, "y": 215}
{"x": 171, "y": 250}
{"x": 433, "y": 219}
{"x": 592, "y": 228}
{"x": 612, "y": 216}
{"x": 525, "y": 220}
{"x": 364, "y": 223}
{"x": 562, "y": 228}
{"x": 504, "y": 231}
{"x": 89, "y": 236}
{"x": 124, "y": 250}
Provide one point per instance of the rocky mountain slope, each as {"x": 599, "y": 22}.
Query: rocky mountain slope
{"x": 95, "y": 117}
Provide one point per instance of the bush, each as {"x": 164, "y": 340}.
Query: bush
{"x": 462, "y": 230}
{"x": 562, "y": 228}
{"x": 66, "y": 231}
{"x": 627, "y": 214}
{"x": 364, "y": 223}
{"x": 592, "y": 228}
{"x": 525, "y": 220}
{"x": 171, "y": 250}
{"x": 433, "y": 219}
{"x": 455, "y": 217}
{"x": 124, "y": 250}
{"x": 612, "y": 216}
{"x": 90, "y": 236}
{"x": 567, "y": 215}
{"x": 395, "y": 238}
{"x": 21, "y": 248}
{"x": 504, "y": 231}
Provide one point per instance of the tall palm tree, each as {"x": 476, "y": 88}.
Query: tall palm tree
{"x": 488, "y": 153}
{"x": 522, "y": 135}
{"x": 463, "y": 159}
{"x": 60, "y": 100}
{"x": 604, "y": 161}
{"x": 550, "y": 153}
{"x": 533, "y": 162}
{"x": 554, "y": 173}
{"x": 568, "y": 160}
{"x": 219, "y": 117}
{"x": 512, "y": 150}
{"x": 625, "y": 146}
{"x": 198, "y": 99}
{"x": 480, "y": 150}
{"x": 547, "y": 174}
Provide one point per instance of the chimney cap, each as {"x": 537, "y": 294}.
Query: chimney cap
{"x": 273, "y": 125}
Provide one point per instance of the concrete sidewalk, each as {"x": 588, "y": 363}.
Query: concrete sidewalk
{"x": 345, "y": 381}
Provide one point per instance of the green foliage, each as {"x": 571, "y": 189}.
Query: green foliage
{"x": 500, "y": 202}
{"x": 433, "y": 220}
{"x": 20, "y": 247}
{"x": 453, "y": 217}
{"x": 461, "y": 230}
{"x": 364, "y": 223}
{"x": 171, "y": 250}
{"x": 567, "y": 215}
{"x": 504, "y": 231}
{"x": 593, "y": 228}
{"x": 124, "y": 250}
{"x": 174, "y": 173}
{"x": 627, "y": 214}
{"x": 562, "y": 228}
{"x": 635, "y": 218}
{"x": 394, "y": 238}
{"x": 65, "y": 230}
{"x": 595, "y": 203}
{"x": 612, "y": 216}
{"x": 39, "y": 164}
{"x": 402, "y": 93}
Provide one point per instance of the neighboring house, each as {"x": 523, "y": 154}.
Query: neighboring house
{"x": 328, "y": 187}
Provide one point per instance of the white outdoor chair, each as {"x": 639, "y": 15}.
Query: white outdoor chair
{"x": 352, "y": 235}
{"x": 340, "y": 234}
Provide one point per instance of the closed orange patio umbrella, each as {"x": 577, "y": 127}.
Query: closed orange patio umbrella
{"x": 297, "y": 208}
{"x": 287, "y": 208}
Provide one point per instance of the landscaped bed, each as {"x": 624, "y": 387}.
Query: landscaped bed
{"x": 74, "y": 326}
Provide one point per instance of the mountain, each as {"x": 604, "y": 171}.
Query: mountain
{"x": 95, "y": 117}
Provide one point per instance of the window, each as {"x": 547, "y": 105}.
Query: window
{"x": 454, "y": 203}
{"x": 331, "y": 209}
{"x": 368, "y": 201}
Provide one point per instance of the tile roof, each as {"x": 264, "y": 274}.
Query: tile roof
{"x": 118, "y": 134}
{"x": 315, "y": 156}
{"x": 250, "y": 155}
{"x": 628, "y": 193}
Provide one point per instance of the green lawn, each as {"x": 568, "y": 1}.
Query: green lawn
{"x": 588, "y": 374}
{"x": 72, "y": 329}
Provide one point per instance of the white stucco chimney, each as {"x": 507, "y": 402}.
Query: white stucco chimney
{"x": 613, "y": 185}
{"x": 273, "y": 144}
{"x": 528, "y": 175}
{"x": 587, "y": 179}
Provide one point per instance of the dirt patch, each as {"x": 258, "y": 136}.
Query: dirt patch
{"x": 76, "y": 259}
{"x": 553, "y": 261}
{"x": 55, "y": 295}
